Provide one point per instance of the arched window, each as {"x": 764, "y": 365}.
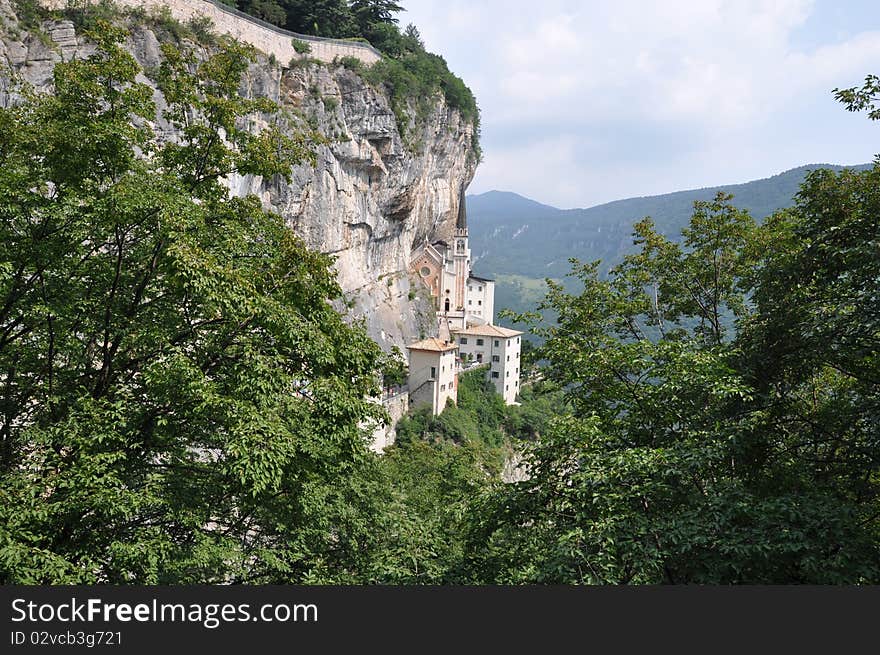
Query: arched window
{"x": 460, "y": 245}
{"x": 446, "y": 305}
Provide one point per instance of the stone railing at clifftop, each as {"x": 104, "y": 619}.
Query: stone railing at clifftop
{"x": 247, "y": 29}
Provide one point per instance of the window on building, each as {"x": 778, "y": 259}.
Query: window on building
{"x": 517, "y": 370}
{"x": 463, "y": 341}
{"x": 517, "y": 339}
{"x": 479, "y": 288}
{"x": 494, "y": 374}
{"x": 508, "y": 342}
{"x": 442, "y": 387}
{"x": 433, "y": 372}
{"x": 496, "y": 358}
{"x": 507, "y": 387}
{"x": 507, "y": 375}
{"x": 480, "y": 357}
{"x": 479, "y": 302}
{"x": 470, "y": 302}
{"x": 442, "y": 369}
{"x": 496, "y": 343}
{"x": 508, "y": 358}
{"x": 516, "y": 383}
{"x": 479, "y": 342}
{"x": 470, "y": 288}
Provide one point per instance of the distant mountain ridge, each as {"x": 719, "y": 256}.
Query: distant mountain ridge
{"x": 520, "y": 242}
{"x": 511, "y": 234}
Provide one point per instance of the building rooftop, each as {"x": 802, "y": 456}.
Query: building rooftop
{"x": 433, "y": 344}
{"x": 489, "y": 331}
{"x": 481, "y": 279}
{"x": 461, "y": 219}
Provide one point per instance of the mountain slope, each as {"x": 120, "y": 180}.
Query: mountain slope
{"x": 520, "y": 241}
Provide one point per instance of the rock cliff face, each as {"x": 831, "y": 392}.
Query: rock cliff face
{"x": 369, "y": 198}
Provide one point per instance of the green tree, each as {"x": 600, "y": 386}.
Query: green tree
{"x": 690, "y": 455}
{"x": 372, "y": 15}
{"x": 180, "y": 403}
{"x": 395, "y": 369}
{"x": 331, "y": 18}
{"x": 428, "y": 489}
{"x": 862, "y": 98}
{"x": 268, "y": 10}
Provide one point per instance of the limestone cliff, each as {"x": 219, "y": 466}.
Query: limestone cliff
{"x": 369, "y": 199}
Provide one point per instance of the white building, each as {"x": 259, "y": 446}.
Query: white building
{"x": 480, "y": 300}
{"x": 465, "y": 305}
{"x": 500, "y": 348}
{"x": 433, "y": 373}
{"x": 461, "y": 298}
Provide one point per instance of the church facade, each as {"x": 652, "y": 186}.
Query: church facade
{"x": 461, "y": 298}
{"x": 465, "y": 305}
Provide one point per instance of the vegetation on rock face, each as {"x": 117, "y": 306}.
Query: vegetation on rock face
{"x": 440, "y": 469}
{"x": 411, "y": 75}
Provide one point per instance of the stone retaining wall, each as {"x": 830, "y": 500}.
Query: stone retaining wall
{"x": 263, "y": 36}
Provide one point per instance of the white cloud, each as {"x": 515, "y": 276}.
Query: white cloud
{"x": 725, "y": 69}
{"x": 538, "y": 169}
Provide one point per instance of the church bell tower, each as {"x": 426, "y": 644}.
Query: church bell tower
{"x": 461, "y": 254}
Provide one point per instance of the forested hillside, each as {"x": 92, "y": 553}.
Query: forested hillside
{"x": 520, "y": 236}
{"x": 521, "y": 242}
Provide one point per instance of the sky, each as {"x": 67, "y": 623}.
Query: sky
{"x": 584, "y": 102}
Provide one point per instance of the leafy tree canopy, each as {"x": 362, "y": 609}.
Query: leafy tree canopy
{"x": 179, "y": 401}
{"x": 694, "y": 455}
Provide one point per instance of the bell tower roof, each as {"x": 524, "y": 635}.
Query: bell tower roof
{"x": 461, "y": 221}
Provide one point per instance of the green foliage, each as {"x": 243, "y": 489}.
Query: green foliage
{"x": 692, "y": 455}
{"x": 85, "y": 14}
{"x": 411, "y": 76}
{"x": 202, "y": 28}
{"x": 303, "y": 62}
{"x": 351, "y": 63}
{"x": 30, "y": 13}
{"x": 268, "y": 10}
{"x": 395, "y": 369}
{"x": 369, "y": 13}
{"x": 478, "y": 416}
{"x": 539, "y": 405}
{"x": 301, "y": 46}
{"x": 430, "y": 488}
{"x": 180, "y": 403}
{"x": 860, "y": 99}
